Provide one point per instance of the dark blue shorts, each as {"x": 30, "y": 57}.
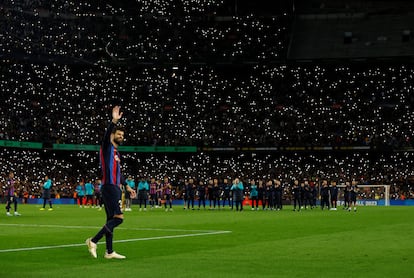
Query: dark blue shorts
{"x": 46, "y": 194}
{"x": 142, "y": 196}
{"x": 11, "y": 199}
{"x": 111, "y": 197}
{"x": 353, "y": 197}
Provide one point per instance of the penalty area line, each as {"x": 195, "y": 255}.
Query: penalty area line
{"x": 115, "y": 241}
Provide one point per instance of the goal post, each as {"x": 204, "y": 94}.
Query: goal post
{"x": 386, "y": 190}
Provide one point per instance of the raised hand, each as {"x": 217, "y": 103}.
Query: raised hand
{"x": 116, "y": 114}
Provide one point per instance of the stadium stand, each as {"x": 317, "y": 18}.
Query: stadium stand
{"x": 194, "y": 73}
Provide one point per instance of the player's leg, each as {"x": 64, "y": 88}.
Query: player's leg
{"x": 8, "y": 205}
{"x": 50, "y": 204}
{"x": 15, "y": 207}
{"x": 111, "y": 196}
{"x": 354, "y": 202}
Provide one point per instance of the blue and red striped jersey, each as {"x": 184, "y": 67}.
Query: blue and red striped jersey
{"x": 153, "y": 188}
{"x": 167, "y": 188}
{"x": 110, "y": 159}
{"x": 10, "y": 187}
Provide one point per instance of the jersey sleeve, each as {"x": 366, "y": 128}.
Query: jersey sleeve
{"x": 107, "y": 136}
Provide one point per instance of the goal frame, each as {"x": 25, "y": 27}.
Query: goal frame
{"x": 386, "y": 187}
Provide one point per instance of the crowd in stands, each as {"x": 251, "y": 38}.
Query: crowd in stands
{"x": 144, "y": 31}
{"x": 281, "y": 105}
{"x": 185, "y": 102}
{"x": 67, "y": 169}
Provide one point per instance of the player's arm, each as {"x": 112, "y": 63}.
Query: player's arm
{"x": 131, "y": 191}
{"x": 116, "y": 116}
{"x": 128, "y": 188}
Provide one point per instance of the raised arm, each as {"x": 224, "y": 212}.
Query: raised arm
{"x": 116, "y": 116}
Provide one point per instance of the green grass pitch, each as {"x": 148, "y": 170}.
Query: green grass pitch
{"x": 373, "y": 242}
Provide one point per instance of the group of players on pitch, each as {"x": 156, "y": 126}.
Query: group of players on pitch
{"x": 269, "y": 195}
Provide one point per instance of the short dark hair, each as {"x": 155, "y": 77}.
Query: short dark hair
{"x": 120, "y": 128}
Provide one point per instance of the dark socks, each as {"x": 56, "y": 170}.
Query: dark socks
{"x": 107, "y": 230}
{"x": 44, "y": 203}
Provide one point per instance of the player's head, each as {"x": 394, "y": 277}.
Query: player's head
{"x": 117, "y": 136}
{"x": 11, "y": 175}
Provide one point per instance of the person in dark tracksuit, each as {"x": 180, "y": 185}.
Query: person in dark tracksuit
{"x": 296, "y": 193}
{"x": 346, "y": 195}
{"x": 314, "y": 190}
{"x": 190, "y": 193}
{"x": 216, "y": 194}
{"x": 226, "y": 194}
{"x": 143, "y": 189}
{"x": 353, "y": 192}
{"x": 201, "y": 192}
{"x": 261, "y": 194}
{"x": 210, "y": 194}
{"x": 308, "y": 195}
{"x": 302, "y": 194}
{"x": 325, "y": 192}
{"x": 272, "y": 195}
{"x": 184, "y": 194}
{"x": 278, "y": 194}
{"x": 268, "y": 195}
{"x": 334, "y": 195}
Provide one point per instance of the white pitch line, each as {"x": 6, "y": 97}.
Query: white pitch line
{"x": 98, "y": 227}
{"x": 205, "y": 233}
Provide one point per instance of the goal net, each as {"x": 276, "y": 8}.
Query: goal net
{"x": 369, "y": 194}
